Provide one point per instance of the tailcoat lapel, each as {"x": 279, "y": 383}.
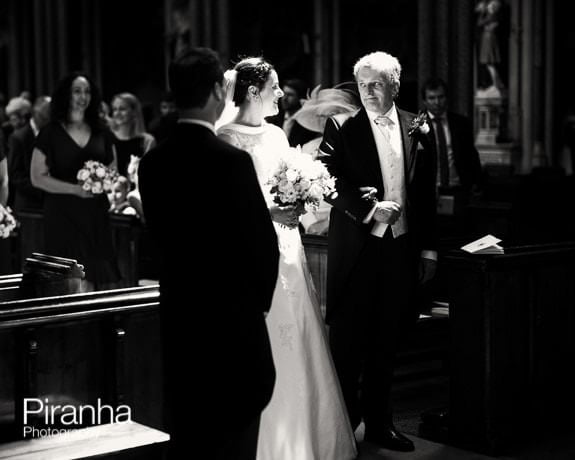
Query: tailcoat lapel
{"x": 409, "y": 146}
{"x": 368, "y": 155}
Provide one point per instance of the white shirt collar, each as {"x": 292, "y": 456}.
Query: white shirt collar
{"x": 391, "y": 114}
{"x": 35, "y": 129}
{"x": 195, "y": 121}
{"x": 432, "y": 117}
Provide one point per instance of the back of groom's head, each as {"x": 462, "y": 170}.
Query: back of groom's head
{"x": 192, "y": 75}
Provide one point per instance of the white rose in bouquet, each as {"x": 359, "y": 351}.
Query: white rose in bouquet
{"x": 299, "y": 179}
{"x": 96, "y": 177}
{"x": 7, "y": 222}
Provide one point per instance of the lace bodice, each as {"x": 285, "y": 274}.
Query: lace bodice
{"x": 264, "y": 143}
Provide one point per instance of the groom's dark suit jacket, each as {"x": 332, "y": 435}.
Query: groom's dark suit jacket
{"x": 204, "y": 207}
{"x": 349, "y": 151}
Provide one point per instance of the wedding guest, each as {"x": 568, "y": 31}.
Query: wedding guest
{"x": 306, "y": 418}
{"x": 104, "y": 113}
{"x": 381, "y": 241}
{"x": 132, "y": 141}
{"x": 214, "y": 407}
{"x": 162, "y": 126}
{"x": 134, "y": 197}
{"x": 3, "y": 178}
{"x": 18, "y": 112}
{"x": 458, "y": 166}
{"x": 118, "y": 197}
{"x": 76, "y": 221}
{"x": 5, "y": 246}
{"x": 26, "y": 95}
{"x": 26, "y": 196}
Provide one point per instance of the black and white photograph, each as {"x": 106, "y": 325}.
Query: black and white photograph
{"x": 304, "y": 230}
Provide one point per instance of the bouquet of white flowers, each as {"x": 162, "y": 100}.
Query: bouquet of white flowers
{"x": 300, "y": 180}
{"x": 96, "y": 177}
{"x": 7, "y": 222}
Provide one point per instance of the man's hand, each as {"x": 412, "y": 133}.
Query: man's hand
{"x": 387, "y": 212}
{"x": 368, "y": 193}
{"x": 427, "y": 269}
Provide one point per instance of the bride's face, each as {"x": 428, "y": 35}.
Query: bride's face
{"x": 270, "y": 95}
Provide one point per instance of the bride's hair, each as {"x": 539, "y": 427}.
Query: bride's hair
{"x": 252, "y": 71}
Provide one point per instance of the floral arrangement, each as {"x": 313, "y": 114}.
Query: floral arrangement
{"x": 419, "y": 124}
{"x": 95, "y": 177}
{"x": 300, "y": 180}
{"x": 7, "y": 222}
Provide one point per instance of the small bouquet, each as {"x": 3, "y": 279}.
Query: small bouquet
{"x": 7, "y": 222}
{"x": 299, "y": 180}
{"x": 419, "y": 124}
{"x": 96, "y": 177}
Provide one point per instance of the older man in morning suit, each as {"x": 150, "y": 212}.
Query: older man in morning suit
{"x": 381, "y": 241}
{"x": 219, "y": 270}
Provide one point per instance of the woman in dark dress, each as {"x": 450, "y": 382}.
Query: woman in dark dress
{"x": 76, "y": 221}
{"x": 128, "y": 126}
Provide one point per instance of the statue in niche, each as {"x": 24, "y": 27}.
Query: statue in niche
{"x": 489, "y": 19}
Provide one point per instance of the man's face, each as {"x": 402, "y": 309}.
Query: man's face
{"x": 17, "y": 120}
{"x": 375, "y": 91}
{"x": 435, "y": 101}
{"x": 290, "y": 100}
{"x": 167, "y": 107}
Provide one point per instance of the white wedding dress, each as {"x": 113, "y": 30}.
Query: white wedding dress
{"x": 306, "y": 418}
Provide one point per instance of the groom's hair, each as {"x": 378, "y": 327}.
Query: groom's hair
{"x": 192, "y": 75}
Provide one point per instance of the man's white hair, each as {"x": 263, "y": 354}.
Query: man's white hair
{"x": 386, "y": 64}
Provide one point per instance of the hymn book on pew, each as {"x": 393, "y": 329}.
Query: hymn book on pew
{"x": 485, "y": 245}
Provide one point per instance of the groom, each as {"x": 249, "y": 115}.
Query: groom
{"x": 220, "y": 270}
{"x": 381, "y": 241}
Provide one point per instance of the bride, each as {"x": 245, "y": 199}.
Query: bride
{"x": 306, "y": 418}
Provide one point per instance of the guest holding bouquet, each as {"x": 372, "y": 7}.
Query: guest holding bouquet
{"x": 76, "y": 221}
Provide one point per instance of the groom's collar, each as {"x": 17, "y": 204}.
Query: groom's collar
{"x": 195, "y": 121}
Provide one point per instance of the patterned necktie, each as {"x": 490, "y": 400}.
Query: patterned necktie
{"x": 442, "y": 153}
{"x": 382, "y": 120}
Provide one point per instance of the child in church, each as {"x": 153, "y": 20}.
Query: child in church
{"x": 118, "y": 196}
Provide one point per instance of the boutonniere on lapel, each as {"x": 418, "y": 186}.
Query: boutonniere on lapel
{"x": 419, "y": 125}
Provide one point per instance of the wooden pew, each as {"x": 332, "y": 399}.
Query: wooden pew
{"x": 44, "y": 275}
{"x": 126, "y": 231}
{"x": 79, "y": 349}
{"x": 512, "y": 321}
{"x": 10, "y": 286}
{"x": 428, "y": 343}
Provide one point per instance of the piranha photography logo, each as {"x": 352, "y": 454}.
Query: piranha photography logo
{"x": 43, "y": 418}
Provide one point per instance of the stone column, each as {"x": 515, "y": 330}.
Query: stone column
{"x": 425, "y": 40}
